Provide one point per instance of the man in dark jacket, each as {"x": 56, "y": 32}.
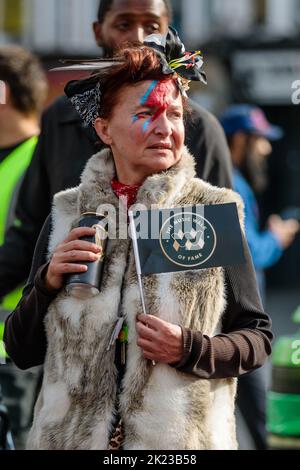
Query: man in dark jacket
{"x": 65, "y": 146}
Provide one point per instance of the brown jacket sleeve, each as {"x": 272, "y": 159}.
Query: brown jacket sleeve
{"x": 245, "y": 341}
{"x": 24, "y": 333}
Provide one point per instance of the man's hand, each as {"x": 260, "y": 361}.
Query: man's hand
{"x": 160, "y": 341}
{"x": 284, "y": 230}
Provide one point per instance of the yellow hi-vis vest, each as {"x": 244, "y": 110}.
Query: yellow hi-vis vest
{"x": 12, "y": 169}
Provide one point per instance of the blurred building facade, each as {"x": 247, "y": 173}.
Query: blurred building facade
{"x": 252, "y": 53}
{"x": 205, "y": 20}
{"x": 49, "y": 26}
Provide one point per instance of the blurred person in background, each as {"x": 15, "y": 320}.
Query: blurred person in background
{"x": 23, "y": 94}
{"x": 65, "y": 144}
{"x": 249, "y": 136}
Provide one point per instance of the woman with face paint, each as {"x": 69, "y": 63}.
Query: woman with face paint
{"x": 145, "y": 130}
{"x": 97, "y": 393}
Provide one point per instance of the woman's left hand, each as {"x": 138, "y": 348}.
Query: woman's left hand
{"x": 160, "y": 341}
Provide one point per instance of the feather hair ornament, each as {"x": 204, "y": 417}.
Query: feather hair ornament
{"x": 85, "y": 94}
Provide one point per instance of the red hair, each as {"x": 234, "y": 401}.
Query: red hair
{"x": 141, "y": 63}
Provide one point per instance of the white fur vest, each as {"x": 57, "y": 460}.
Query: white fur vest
{"x": 161, "y": 407}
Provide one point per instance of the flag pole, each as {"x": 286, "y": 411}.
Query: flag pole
{"x": 137, "y": 263}
{"x": 137, "y": 259}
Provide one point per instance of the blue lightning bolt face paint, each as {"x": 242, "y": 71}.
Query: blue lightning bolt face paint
{"x": 146, "y": 125}
{"x": 146, "y": 96}
{"x": 135, "y": 118}
{"x": 144, "y": 100}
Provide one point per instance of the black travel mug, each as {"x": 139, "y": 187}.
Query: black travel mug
{"x": 88, "y": 284}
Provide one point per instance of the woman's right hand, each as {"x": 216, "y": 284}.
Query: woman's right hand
{"x": 68, "y": 253}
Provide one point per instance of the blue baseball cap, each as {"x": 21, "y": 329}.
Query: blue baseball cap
{"x": 249, "y": 119}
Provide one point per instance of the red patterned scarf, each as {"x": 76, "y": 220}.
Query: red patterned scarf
{"x": 127, "y": 191}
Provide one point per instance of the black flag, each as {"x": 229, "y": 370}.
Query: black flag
{"x": 186, "y": 238}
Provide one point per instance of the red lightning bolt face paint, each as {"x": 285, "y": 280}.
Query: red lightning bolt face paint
{"x": 159, "y": 97}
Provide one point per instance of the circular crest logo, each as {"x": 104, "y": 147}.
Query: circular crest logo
{"x": 187, "y": 239}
